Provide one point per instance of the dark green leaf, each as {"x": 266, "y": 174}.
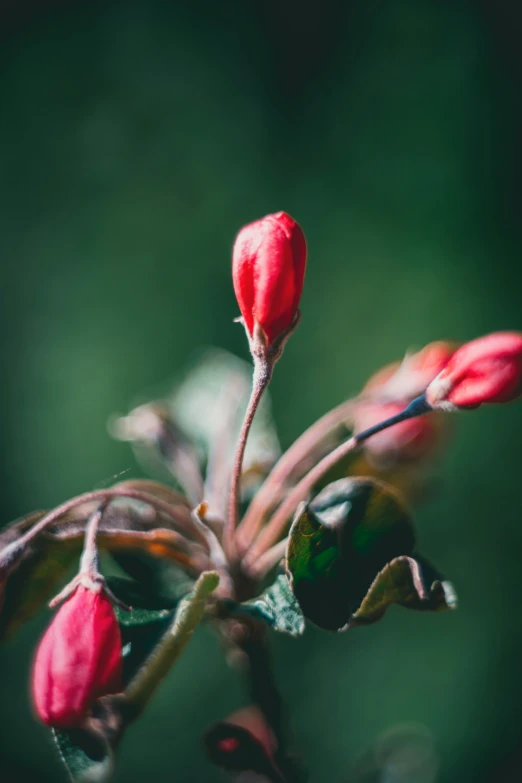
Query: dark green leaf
{"x": 340, "y": 542}
{"x": 155, "y": 575}
{"x": 277, "y": 606}
{"x": 410, "y": 582}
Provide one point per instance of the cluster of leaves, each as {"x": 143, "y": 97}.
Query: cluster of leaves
{"x": 350, "y": 555}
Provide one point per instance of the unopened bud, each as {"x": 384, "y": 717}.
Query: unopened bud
{"x": 268, "y": 267}
{"x": 485, "y": 370}
{"x": 79, "y": 658}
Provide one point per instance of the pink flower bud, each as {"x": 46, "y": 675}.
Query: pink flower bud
{"x": 388, "y": 392}
{"x": 407, "y": 379}
{"x": 404, "y": 442}
{"x": 78, "y": 660}
{"x": 268, "y": 266}
{"x": 485, "y": 370}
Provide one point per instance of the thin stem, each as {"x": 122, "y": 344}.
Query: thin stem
{"x": 156, "y": 488}
{"x": 274, "y": 484}
{"x": 278, "y": 523}
{"x": 263, "y": 369}
{"x": 89, "y": 563}
{"x": 182, "y": 520}
{"x": 265, "y": 694}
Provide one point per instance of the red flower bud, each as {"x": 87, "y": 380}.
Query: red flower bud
{"x": 485, "y": 370}
{"x": 78, "y": 660}
{"x": 268, "y": 266}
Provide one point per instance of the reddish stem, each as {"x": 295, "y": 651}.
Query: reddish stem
{"x": 274, "y": 484}
{"x": 279, "y": 521}
{"x": 180, "y": 517}
{"x": 263, "y": 369}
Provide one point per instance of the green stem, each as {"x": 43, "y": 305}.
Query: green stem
{"x": 173, "y": 643}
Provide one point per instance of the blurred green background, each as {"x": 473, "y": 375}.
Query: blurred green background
{"x": 135, "y": 140}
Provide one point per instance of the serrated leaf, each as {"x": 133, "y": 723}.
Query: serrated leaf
{"x": 88, "y": 752}
{"x": 277, "y": 606}
{"x": 410, "y": 582}
{"x": 87, "y": 758}
{"x": 340, "y": 542}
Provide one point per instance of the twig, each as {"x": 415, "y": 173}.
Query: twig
{"x": 183, "y": 521}
{"x": 142, "y": 687}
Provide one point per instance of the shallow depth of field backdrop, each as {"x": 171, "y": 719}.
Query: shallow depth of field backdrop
{"x": 135, "y": 139}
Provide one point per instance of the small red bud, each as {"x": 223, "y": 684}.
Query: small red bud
{"x": 485, "y": 370}
{"x": 268, "y": 267}
{"x": 78, "y": 660}
{"x": 228, "y": 744}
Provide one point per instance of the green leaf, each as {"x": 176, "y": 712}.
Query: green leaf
{"x": 340, "y": 542}
{"x": 277, "y": 606}
{"x": 410, "y": 582}
{"x": 88, "y": 752}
